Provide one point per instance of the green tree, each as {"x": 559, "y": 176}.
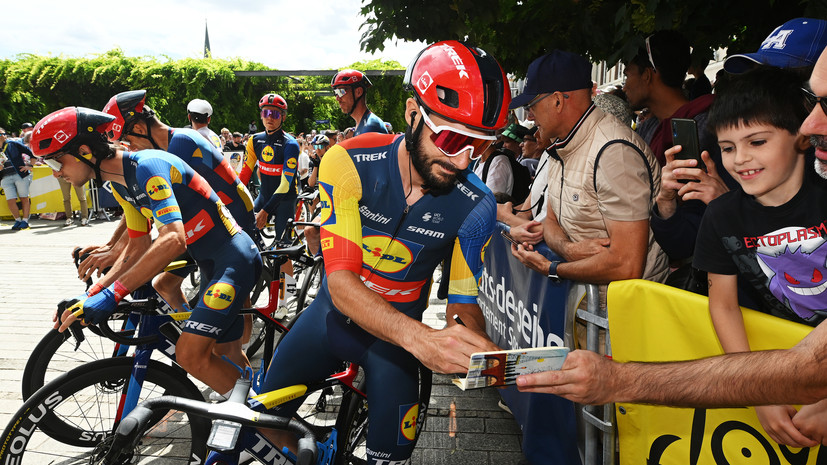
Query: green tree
{"x": 516, "y": 32}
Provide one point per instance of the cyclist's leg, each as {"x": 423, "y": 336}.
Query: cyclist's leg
{"x": 392, "y": 376}
{"x": 168, "y": 286}
{"x": 215, "y": 318}
{"x": 285, "y": 211}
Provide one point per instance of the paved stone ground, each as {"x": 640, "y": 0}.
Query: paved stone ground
{"x": 37, "y": 272}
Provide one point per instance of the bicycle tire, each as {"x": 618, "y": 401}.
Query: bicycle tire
{"x": 310, "y": 286}
{"x": 57, "y": 353}
{"x": 80, "y": 398}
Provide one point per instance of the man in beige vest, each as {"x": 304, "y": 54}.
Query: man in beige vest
{"x": 603, "y": 179}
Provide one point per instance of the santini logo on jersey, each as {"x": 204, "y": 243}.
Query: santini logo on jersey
{"x": 369, "y": 215}
{"x": 426, "y": 232}
{"x": 360, "y": 157}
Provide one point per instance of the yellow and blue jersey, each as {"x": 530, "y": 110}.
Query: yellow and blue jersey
{"x": 368, "y": 228}
{"x": 277, "y": 157}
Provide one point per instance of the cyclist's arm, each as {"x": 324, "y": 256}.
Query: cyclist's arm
{"x": 249, "y": 164}
{"x": 102, "y": 256}
{"x": 137, "y": 241}
{"x": 171, "y": 242}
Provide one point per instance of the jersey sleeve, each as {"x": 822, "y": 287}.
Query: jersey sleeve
{"x": 340, "y": 190}
{"x": 250, "y": 160}
{"x": 288, "y": 173}
{"x": 137, "y": 224}
{"x": 469, "y": 248}
{"x": 157, "y": 177}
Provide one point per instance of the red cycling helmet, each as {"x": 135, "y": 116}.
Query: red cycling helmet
{"x": 460, "y": 83}
{"x": 350, "y": 77}
{"x": 126, "y": 107}
{"x": 273, "y": 100}
{"x": 61, "y": 130}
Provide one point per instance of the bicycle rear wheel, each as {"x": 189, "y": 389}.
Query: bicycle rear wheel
{"x": 72, "y": 417}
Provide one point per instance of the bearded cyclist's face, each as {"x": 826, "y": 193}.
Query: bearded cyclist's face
{"x": 438, "y": 171}
{"x": 815, "y": 125}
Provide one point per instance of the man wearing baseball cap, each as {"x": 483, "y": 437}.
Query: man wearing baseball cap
{"x": 199, "y": 113}
{"x": 794, "y": 44}
{"x": 598, "y": 211}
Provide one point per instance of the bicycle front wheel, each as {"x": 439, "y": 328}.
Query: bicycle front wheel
{"x": 72, "y": 418}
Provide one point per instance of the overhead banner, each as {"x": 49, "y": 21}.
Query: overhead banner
{"x": 524, "y": 309}
{"x": 651, "y": 322}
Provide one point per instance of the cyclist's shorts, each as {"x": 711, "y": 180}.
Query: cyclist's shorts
{"x": 227, "y": 278}
{"x": 285, "y": 210}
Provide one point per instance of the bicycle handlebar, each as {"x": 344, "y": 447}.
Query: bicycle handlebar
{"x": 131, "y": 428}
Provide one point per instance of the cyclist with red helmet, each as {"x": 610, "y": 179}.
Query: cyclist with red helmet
{"x": 139, "y": 126}
{"x": 393, "y": 207}
{"x": 276, "y": 154}
{"x": 155, "y": 185}
{"x": 350, "y": 88}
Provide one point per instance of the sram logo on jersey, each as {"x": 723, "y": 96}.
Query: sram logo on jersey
{"x": 360, "y": 157}
{"x": 219, "y": 296}
{"x": 158, "y": 188}
{"x": 267, "y": 154}
{"x": 426, "y": 232}
{"x": 199, "y": 225}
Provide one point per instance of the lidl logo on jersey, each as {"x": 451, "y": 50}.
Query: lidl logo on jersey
{"x": 267, "y": 154}
{"x": 407, "y": 423}
{"x": 219, "y": 296}
{"x": 392, "y": 257}
{"x": 158, "y": 188}
{"x": 291, "y": 163}
{"x": 328, "y": 216}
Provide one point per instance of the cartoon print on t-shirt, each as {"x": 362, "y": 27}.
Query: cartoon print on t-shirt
{"x": 798, "y": 275}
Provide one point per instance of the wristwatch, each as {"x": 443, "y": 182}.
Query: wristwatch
{"x": 552, "y": 271}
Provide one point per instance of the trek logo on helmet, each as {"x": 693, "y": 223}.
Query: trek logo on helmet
{"x": 424, "y": 82}
{"x": 460, "y": 65}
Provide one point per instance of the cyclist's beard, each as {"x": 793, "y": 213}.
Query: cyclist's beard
{"x": 436, "y": 185}
{"x": 820, "y": 143}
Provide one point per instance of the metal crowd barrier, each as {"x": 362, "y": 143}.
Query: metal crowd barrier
{"x": 598, "y": 421}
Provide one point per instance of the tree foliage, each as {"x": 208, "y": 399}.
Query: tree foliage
{"x": 517, "y": 31}
{"x": 32, "y": 86}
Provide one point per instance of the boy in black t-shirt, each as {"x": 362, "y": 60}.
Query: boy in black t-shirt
{"x": 771, "y": 231}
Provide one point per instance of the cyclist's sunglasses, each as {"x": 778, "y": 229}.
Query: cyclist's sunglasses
{"x": 452, "y": 141}
{"x": 319, "y": 146}
{"x": 52, "y": 162}
{"x": 813, "y": 99}
{"x": 339, "y": 92}
{"x": 269, "y": 113}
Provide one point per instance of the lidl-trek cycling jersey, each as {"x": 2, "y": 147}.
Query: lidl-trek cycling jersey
{"x": 368, "y": 228}
{"x": 277, "y": 157}
{"x": 209, "y": 162}
{"x": 370, "y": 123}
{"x": 162, "y": 187}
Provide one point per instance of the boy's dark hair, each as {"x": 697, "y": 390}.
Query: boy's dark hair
{"x": 762, "y": 96}
{"x": 670, "y": 53}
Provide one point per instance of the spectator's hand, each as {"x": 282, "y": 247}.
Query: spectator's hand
{"x": 574, "y": 251}
{"x": 708, "y": 185}
{"x": 811, "y": 420}
{"x": 586, "y": 377}
{"x": 449, "y": 350}
{"x": 667, "y": 198}
{"x": 527, "y": 256}
{"x": 530, "y": 233}
{"x": 26, "y": 168}
{"x": 98, "y": 259}
{"x": 777, "y": 422}
{"x": 261, "y": 219}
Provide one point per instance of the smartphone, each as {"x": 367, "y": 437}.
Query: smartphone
{"x": 685, "y": 134}
{"x": 508, "y": 237}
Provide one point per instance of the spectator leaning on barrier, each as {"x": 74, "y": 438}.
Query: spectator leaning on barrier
{"x": 794, "y": 376}
{"x": 16, "y": 178}
{"x": 199, "y": 113}
{"x": 351, "y": 87}
{"x": 598, "y": 212}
